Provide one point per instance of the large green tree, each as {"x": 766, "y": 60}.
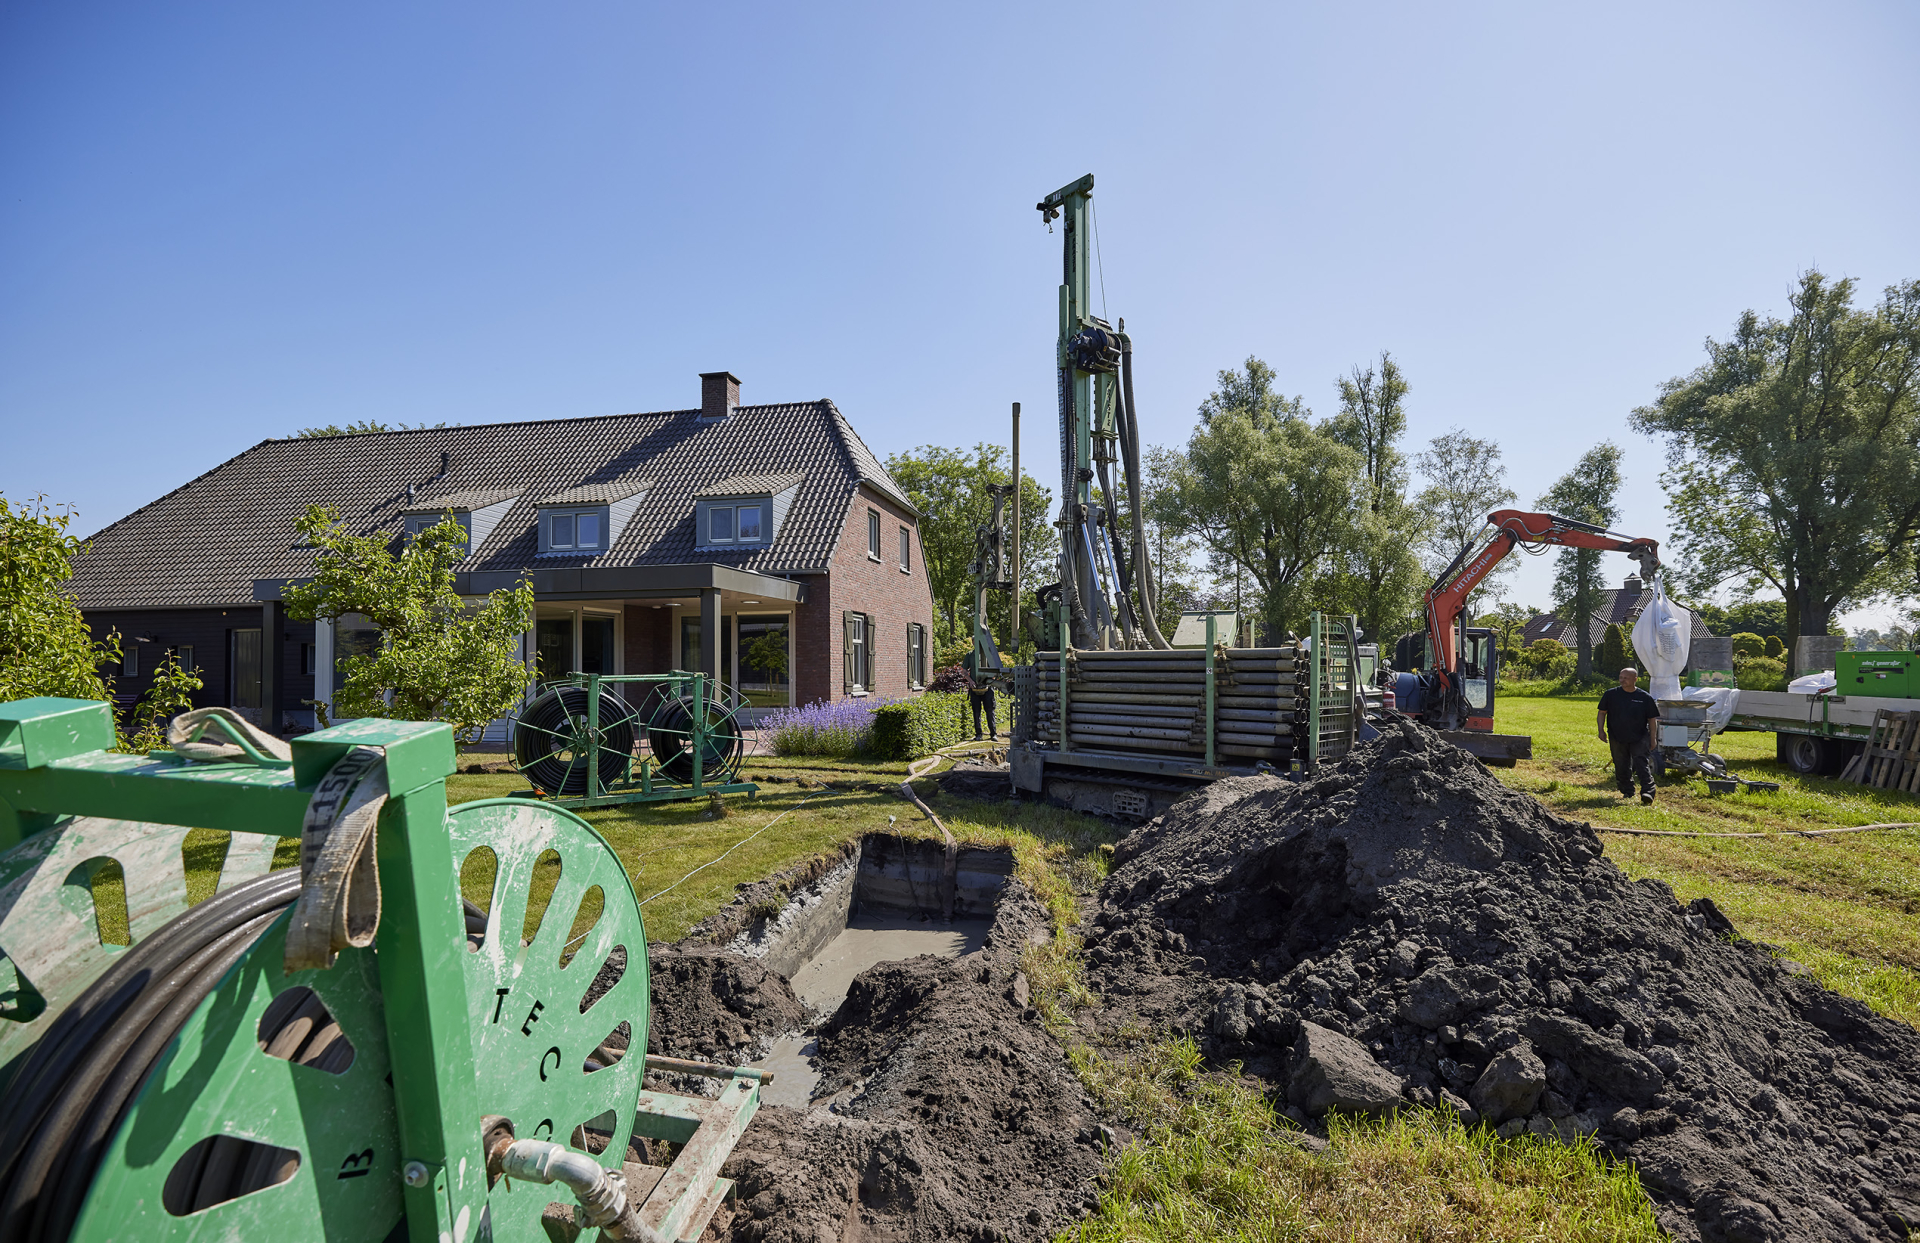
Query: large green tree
{"x": 1267, "y": 492}
{"x": 949, "y": 488}
{"x": 440, "y": 657}
{"x": 1588, "y": 493}
{"x": 46, "y": 647}
{"x": 1379, "y": 577}
{"x": 1465, "y": 481}
{"x": 1793, "y": 454}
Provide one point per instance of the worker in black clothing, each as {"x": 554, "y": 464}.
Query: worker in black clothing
{"x": 1632, "y": 717}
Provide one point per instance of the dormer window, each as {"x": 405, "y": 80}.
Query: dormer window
{"x": 744, "y": 511}
{"x": 477, "y": 510}
{"x": 585, "y": 521}
{"x": 735, "y": 524}
{"x": 581, "y": 529}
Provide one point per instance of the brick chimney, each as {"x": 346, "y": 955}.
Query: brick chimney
{"x": 719, "y": 394}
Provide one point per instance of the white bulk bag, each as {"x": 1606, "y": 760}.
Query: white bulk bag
{"x": 1661, "y": 638}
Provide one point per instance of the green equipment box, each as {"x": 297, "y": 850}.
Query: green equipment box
{"x": 1890, "y": 675}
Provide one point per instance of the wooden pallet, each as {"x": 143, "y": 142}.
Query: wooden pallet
{"x": 1891, "y": 760}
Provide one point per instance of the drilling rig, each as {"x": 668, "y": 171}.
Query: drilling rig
{"x": 1111, "y": 718}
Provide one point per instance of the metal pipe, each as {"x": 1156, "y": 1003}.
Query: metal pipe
{"x": 602, "y": 1193}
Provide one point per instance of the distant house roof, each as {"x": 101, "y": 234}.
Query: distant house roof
{"x": 1619, "y": 606}
{"x": 753, "y": 485}
{"x": 208, "y": 540}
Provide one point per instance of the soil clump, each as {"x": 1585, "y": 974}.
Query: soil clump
{"x": 1406, "y": 928}
{"x": 716, "y": 1007}
{"x": 944, "y": 1112}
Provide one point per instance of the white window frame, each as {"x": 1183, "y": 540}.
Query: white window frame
{"x": 130, "y": 660}
{"x": 873, "y": 535}
{"x": 862, "y": 645}
{"x": 733, "y": 524}
{"x": 906, "y": 551}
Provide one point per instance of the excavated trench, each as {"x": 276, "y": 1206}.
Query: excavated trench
{"x": 1401, "y": 930}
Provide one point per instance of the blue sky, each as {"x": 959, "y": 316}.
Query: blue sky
{"x": 219, "y": 223}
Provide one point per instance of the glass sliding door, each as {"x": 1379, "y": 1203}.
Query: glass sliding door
{"x": 765, "y": 658}
{"x": 553, "y": 646}
{"x": 596, "y": 644}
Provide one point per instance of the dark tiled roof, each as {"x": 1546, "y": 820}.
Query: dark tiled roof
{"x": 598, "y": 493}
{"x": 1618, "y": 606}
{"x": 206, "y": 541}
{"x": 753, "y": 485}
{"x": 469, "y": 498}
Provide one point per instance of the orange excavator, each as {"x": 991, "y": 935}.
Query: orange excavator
{"x": 1445, "y": 676}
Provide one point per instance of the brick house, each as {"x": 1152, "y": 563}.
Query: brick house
{"x": 728, "y": 537}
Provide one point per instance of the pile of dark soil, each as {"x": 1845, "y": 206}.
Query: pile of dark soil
{"x": 945, "y": 1112}
{"x": 716, "y": 1007}
{"x": 1405, "y": 928}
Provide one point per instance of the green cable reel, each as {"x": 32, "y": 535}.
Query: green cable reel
{"x": 187, "y": 1086}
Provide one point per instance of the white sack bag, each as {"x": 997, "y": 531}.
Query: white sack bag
{"x": 1661, "y": 638}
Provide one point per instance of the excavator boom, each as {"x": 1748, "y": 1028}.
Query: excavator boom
{"x": 1505, "y": 528}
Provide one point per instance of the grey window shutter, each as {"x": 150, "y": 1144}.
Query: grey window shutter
{"x": 846, "y": 643}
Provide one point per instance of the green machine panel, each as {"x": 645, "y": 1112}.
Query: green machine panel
{"x": 1889, "y": 675}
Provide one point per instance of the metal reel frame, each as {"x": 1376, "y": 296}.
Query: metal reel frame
{"x": 710, "y": 732}
{"x": 398, "y": 1131}
{"x": 533, "y": 1033}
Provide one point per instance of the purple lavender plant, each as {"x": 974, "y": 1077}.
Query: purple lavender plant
{"x": 838, "y": 728}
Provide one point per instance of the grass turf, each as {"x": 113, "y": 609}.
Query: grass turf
{"x": 1845, "y": 905}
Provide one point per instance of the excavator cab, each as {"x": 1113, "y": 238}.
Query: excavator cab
{"x": 1416, "y": 689}
{"x": 1479, "y": 669}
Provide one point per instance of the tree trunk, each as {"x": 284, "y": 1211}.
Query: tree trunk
{"x": 1793, "y": 592}
{"x": 1582, "y": 610}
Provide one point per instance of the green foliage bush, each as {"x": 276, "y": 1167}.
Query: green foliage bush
{"x": 1540, "y": 660}
{"x": 1775, "y": 649}
{"x": 1748, "y": 644}
{"x": 1758, "y": 673}
{"x": 916, "y": 727}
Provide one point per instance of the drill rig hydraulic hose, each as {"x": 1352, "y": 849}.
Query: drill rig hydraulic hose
{"x": 1130, "y": 451}
{"x": 1072, "y": 517}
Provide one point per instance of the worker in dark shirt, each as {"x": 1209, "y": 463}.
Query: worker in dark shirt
{"x": 1631, "y": 716}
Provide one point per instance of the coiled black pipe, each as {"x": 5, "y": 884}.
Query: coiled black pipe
{"x": 66, "y": 1101}
{"x": 543, "y": 740}
{"x": 63, "y": 1107}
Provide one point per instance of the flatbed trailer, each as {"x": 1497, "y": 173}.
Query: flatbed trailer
{"x": 1816, "y": 734}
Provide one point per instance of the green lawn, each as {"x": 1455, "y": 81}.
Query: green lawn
{"x": 1845, "y": 904}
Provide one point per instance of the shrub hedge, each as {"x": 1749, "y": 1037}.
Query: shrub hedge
{"x": 1758, "y": 673}
{"x": 915, "y": 727}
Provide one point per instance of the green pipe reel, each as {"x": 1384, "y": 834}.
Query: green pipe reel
{"x": 343, "y": 1104}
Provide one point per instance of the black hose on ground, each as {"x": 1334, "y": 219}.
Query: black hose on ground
{"x": 545, "y": 735}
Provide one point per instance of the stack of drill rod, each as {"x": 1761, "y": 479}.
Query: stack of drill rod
{"x": 1154, "y": 702}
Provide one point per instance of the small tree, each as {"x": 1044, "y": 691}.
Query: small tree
{"x": 1748, "y": 645}
{"x": 169, "y": 696}
{"x": 439, "y": 658}
{"x": 46, "y": 647}
{"x": 1775, "y": 649}
{"x": 1613, "y": 652}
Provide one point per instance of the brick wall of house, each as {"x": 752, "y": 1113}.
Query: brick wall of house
{"x": 649, "y": 639}
{"x": 816, "y": 644}
{"x": 891, "y": 597}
